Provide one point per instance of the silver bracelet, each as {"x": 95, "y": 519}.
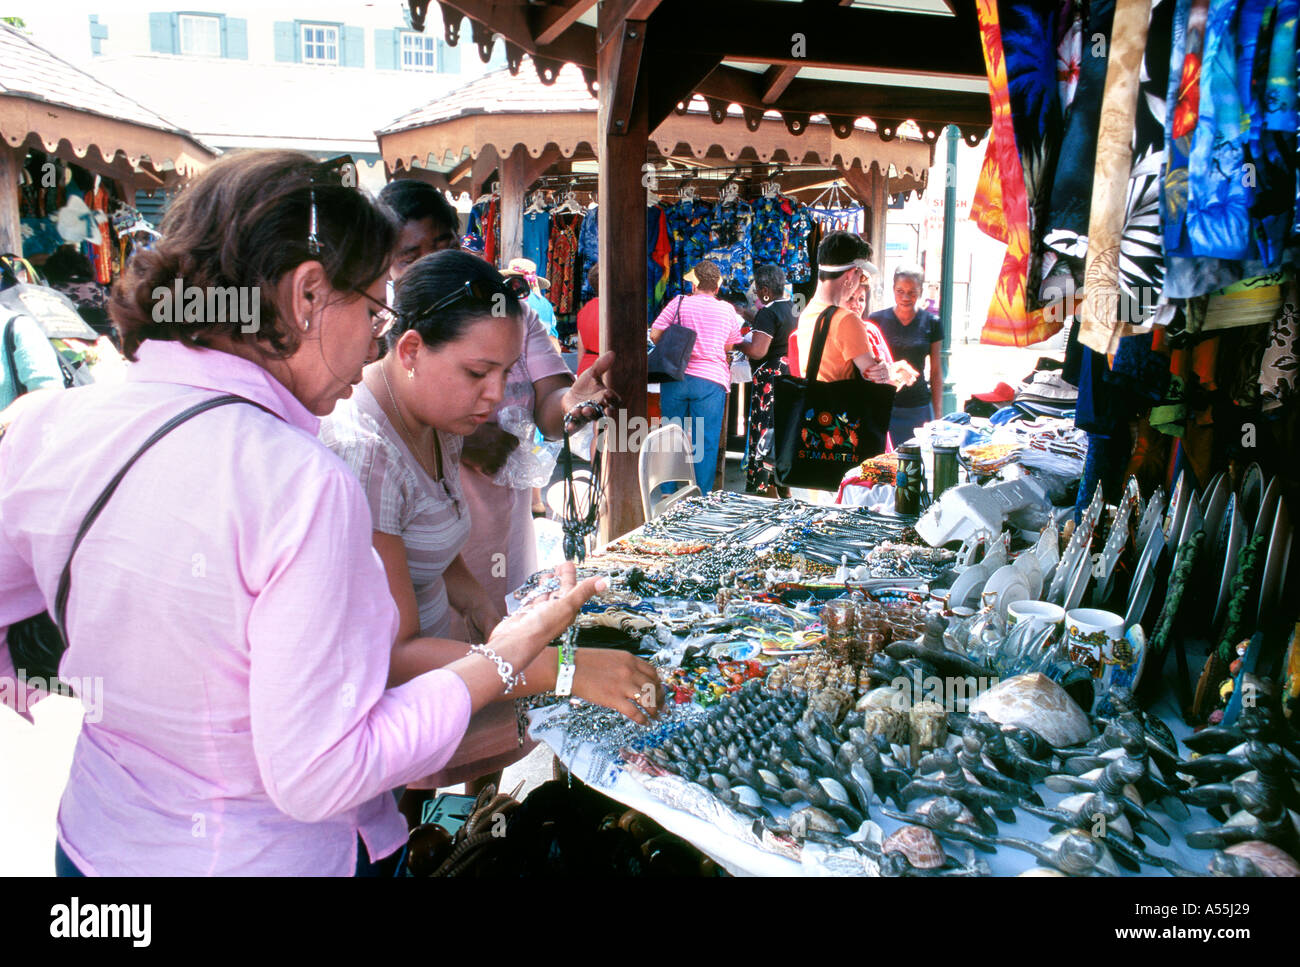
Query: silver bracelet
{"x": 504, "y": 668}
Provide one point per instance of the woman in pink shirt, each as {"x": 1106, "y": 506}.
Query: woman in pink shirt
{"x": 227, "y": 608}
{"x": 699, "y": 402}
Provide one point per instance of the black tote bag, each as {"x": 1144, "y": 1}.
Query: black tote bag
{"x": 672, "y": 353}
{"x": 823, "y": 430}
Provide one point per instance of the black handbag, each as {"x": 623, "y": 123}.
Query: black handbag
{"x": 672, "y": 353}
{"x": 37, "y": 644}
{"x": 823, "y": 430}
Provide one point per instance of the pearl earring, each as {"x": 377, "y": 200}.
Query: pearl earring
{"x": 410, "y": 373}
{"x": 306, "y": 324}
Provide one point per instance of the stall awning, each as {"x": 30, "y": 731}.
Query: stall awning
{"x": 502, "y": 112}
{"x": 50, "y": 105}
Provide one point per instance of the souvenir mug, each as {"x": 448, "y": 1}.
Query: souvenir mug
{"x": 1091, "y": 635}
{"x": 1038, "y": 612}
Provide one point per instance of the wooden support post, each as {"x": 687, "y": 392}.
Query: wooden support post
{"x": 622, "y": 150}
{"x": 513, "y": 186}
{"x": 879, "y": 218}
{"x": 11, "y": 166}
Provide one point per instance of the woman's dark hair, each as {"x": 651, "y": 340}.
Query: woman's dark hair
{"x": 413, "y": 200}
{"x": 593, "y": 278}
{"x": 770, "y": 277}
{"x": 243, "y": 224}
{"x": 436, "y": 276}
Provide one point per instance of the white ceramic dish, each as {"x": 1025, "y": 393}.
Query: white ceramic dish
{"x": 1252, "y": 495}
{"x": 1151, "y": 516}
{"x": 1267, "y": 507}
{"x": 968, "y": 586}
{"x": 1236, "y": 538}
{"x": 1215, "y": 512}
{"x": 1144, "y": 578}
{"x": 1177, "y": 510}
{"x": 1275, "y": 564}
{"x": 1078, "y": 583}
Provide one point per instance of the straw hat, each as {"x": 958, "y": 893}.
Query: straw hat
{"x": 528, "y": 269}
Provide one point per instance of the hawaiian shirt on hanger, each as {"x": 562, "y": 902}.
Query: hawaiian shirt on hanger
{"x": 798, "y": 266}
{"x": 688, "y": 230}
{"x": 770, "y": 234}
{"x": 1141, "y": 251}
{"x": 1218, "y": 201}
{"x": 588, "y": 253}
{"x": 658, "y": 248}
{"x": 731, "y": 248}
{"x": 1273, "y": 140}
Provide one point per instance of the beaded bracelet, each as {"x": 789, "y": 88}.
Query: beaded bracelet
{"x": 504, "y": 668}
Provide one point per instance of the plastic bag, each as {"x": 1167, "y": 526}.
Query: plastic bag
{"x": 532, "y": 462}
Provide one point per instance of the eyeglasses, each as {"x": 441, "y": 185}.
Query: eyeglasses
{"x": 385, "y": 318}
{"x": 480, "y": 290}
{"x": 340, "y": 172}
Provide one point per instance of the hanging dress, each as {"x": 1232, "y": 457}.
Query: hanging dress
{"x": 562, "y": 258}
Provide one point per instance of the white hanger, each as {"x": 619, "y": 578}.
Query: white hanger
{"x": 688, "y": 193}
{"x": 729, "y": 193}
{"x": 536, "y": 205}
{"x": 570, "y": 203}
{"x": 770, "y": 189}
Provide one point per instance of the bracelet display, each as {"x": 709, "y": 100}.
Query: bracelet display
{"x": 504, "y": 668}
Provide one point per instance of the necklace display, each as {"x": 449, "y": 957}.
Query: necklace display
{"x": 435, "y": 471}
{"x": 579, "y": 516}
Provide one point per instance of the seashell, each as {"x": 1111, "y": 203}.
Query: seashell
{"x": 884, "y": 697}
{"x": 889, "y": 722}
{"x": 949, "y": 809}
{"x": 1267, "y": 858}
{"x": 919, "y": 845}
{"x": 1036, "y": 702}
{"x": 810, "y": 819}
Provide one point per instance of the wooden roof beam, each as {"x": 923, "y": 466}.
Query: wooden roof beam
{"x": 843, "y": 38}
{"x": 553, "y": 20}
{"x": 775, "y": 80}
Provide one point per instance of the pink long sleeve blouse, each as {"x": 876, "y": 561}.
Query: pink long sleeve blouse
{"x": 233, "y": 620}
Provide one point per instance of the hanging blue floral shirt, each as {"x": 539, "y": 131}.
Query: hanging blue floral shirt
{"x": 588, "y": 252}
{"x": 1218, "y": 199}
{"x": 689, "y": 225}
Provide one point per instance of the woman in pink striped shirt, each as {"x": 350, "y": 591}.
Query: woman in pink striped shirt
{"x": 699, "y": 402}
{"x": 228, "y": 606}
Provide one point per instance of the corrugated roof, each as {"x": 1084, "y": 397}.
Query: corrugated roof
{"x": 29, "y": 71}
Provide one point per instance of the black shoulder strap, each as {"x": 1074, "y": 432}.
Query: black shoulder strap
{"x": 820, "y": 334}
{"x": 11, "y": 353}
{"x": 65, "y": 579}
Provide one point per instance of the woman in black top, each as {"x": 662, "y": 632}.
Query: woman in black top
{"x": 770, "y": 338}
{"x": 915, "y": 335}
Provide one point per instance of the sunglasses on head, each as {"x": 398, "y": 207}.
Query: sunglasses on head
{"x": 340, "y": 172}
{"x": 480, "y": 290}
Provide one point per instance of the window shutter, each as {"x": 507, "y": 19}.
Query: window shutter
{"x": 386, "y": 49}
{"x": 448, "y": 58}
{"x": 286, "y": 41}
{"x": 162, "y": 40}
{"x": 235, "y": 39}
{"x": 353, "y": 53}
